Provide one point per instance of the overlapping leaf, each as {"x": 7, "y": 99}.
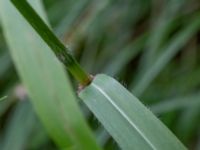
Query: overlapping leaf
{"x": 130, "y": 123}
{"x": 45, "y": 80}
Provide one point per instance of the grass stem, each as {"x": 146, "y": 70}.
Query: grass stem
{"x": 62, "y": 53}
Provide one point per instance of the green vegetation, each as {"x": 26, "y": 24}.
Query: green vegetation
{"x": 150, "y": 47}
{"x": 3, "y": 98}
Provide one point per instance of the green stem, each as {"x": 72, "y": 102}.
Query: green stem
{"x": 49, "y": 37}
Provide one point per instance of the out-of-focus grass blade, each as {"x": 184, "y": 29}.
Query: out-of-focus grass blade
{"x": 39, "y": 138}
{"x": 5, "y": 63}
{"x": 80, "y": 29}
{"x": 45, "y": 80}
{"x": 198, "y": 143}
{"x": 3, "y": 98}
{"x": 123, "y": 57}
{"x": 160, "y": 29}
{"x": 176, "y": 103}
{"x": 57, "y": 10}
{"x": 102, "y": 136}
{"x": 188, "y": 123}
{"x": 130, "y": 123}
{"x": 4, "y": 105}
{"x": 70, "y": 18}
{"x": 7, "y": 101}
{"x": 19, "y": 127}
{"x": 170, "y": 51}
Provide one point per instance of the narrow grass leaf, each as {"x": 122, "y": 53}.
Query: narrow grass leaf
{"x": 70, "y": 19}
{"x": 46, "y": 81}
{"x": 176, "y": 104}
{"x": 63, "y": 53}
{"x": 124, "y": 56}
{"x": 188, "y": 123}
{"x": 5, "y": 63}
{"x": 130, "y": 123}
{"x": 159, "y": 29}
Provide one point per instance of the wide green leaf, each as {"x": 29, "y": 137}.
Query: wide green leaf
{"x": 46, "y": 81}
{"x": 130, "y": 123}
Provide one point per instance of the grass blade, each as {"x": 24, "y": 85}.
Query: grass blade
{"x": 188, "y": 123}
{"x": 176, "y": 104}
{"x": 122, "y": 58}
{"x": 62, "y": 53}
{"x": 160, "y": 28}
{"x": 5, "y": 64}
{"x": 170, "y": 51}
{"x": 70, "y": 19}
{"x": 19, "y": 127}
{"x": 46, "y": 81}
{"x": 3, "y": 98}
{"x": 131, "y": 124}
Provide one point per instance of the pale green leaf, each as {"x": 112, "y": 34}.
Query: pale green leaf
{"x": 130, "y": 123}
{"x": 46, "y": 81}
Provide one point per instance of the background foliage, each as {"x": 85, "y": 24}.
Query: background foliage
{"x": 152, "y": 47}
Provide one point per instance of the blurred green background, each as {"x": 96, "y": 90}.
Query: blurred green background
{"x": 151, "y": 47}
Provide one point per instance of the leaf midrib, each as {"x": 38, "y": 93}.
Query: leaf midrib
{"x": 124, "y": 115}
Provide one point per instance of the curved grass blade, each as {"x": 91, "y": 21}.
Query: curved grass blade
{"x": 130, "y": 123}
{"x": 46, "y": 81}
